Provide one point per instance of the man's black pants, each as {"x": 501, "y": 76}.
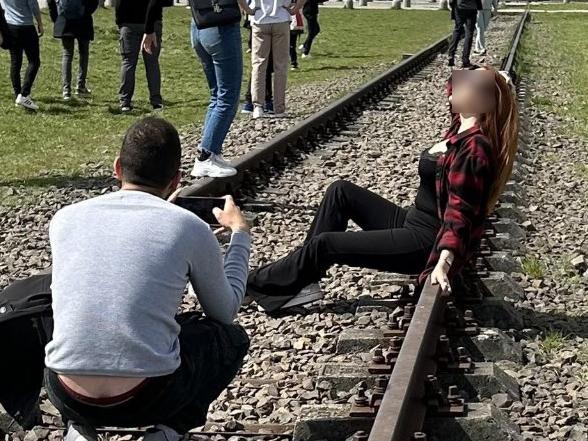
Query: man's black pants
{"x": 393, "y": 239}
{"x": 313, "y": 27}
{"x": 24, "y": 40}
{"x": 465, "y": 22}
{"x": 211, "y": 355}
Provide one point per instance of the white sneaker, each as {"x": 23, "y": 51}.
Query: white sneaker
{"x": 213, "y": 168}
{"x": 222, "y": 161}
{"x": 306, "y": 56}
{"x": 26, "y": 101}
{"x": 258, "y": 112}
{"x": 309, "y": 294}
{"x": 162, "y": 433}
{"x": 76, "y": 432}
{"x": 301, "y": 47}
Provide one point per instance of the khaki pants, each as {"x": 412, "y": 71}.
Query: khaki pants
{"x": 274, "y": 37}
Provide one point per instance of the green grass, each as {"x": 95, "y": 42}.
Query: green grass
{"x": 55, "y": 144}
{"x": 533, "y": 267}
{"x": 552, "y": 342}
{"x": 555, "y": 50}
{"x": 555, "y": 6}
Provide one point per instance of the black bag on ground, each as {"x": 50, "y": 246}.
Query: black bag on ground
{"x": 26, "y": 326}
{"x": 212, "y": 13}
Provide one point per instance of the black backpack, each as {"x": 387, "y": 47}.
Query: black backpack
{"x": 71, "y": 9}
{"x": 26, "y": 326}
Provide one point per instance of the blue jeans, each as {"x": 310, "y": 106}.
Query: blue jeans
{"x": 219, "y": 50}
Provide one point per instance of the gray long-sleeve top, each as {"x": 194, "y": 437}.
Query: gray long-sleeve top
{"x": 20, "y": 12}
{"x": 120, "y": 265}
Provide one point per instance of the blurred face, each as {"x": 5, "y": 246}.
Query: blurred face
{"x": 473, "y": 91}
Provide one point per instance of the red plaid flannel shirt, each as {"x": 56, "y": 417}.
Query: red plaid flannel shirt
{"x": 463, "y": 179}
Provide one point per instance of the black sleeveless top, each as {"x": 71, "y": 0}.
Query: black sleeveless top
{"x": 426, "y": 198}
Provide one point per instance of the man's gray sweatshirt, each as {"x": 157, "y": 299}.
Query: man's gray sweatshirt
{"x": 120, "y": 265}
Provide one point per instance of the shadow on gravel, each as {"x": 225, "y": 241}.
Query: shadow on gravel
{"x": 567, "y": 325}
{"x": 63, "y": 181}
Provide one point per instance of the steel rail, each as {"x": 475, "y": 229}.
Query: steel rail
{"x": 403, "y": 408}
{"x": 319, "y": 122}
{"x": 508, "y": 62}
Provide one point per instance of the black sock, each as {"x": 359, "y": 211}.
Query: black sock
{"x": 204, "y": 155}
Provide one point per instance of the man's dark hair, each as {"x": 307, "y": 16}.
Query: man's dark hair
{"x": 150, "y": 153}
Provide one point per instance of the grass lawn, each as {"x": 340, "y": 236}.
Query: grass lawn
{"x": 55, "y": 143}
{"x": 552, "y": 6}
{"x": 555, "y": 48}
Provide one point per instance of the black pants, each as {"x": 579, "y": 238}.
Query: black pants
{"x": 313, "y": 28}
{"x": 393, "y": 239}
{"x": 293, "y": 43}
{"x": 211, "y": 355}
{"x": 24, "y": 40}
{"x": 465, "y": 21}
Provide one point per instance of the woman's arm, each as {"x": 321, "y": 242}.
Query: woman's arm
{"x": 245, "y": 7}
{"x": 469, "y": 179}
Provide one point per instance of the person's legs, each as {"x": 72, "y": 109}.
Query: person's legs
{"x": 344, "y": 201}
{"x": 470, "y": 25}
{"x": 269, "y": 94}
{"x": 457, "y": 34}
{"x": 400, "y": 250}
{"x": 84, "y": 51}
{"x": 482, "y": 21}
{"x": 223, "y": 46}
{"x": 280, "y": 50}
{"x": 66, "y": 61}
{"x": 384, "y": 243}
{"x": 208, "y": 68}
{"x": 313, "y": 30}
{"x": 211, "y": 354}
{"x": 260, "y": 49}
{"x": 152, "y": 69}
{"x": 31, "y": 50}
{"x": 293, "y": 52}
{"x": 16, "y": 53}
{"x": 130, "y": 44}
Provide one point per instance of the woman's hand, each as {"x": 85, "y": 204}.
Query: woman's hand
{"x": 439, "y": 276}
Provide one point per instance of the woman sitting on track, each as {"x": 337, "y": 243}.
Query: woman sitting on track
{"x": 461, "y": 176}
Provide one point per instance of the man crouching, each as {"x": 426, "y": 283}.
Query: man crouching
{"x": 120, "y": 356}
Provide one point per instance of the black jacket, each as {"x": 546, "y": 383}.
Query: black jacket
{"x": 145, "y": 12}
{"x": 82, "y": 29}
{"x": 466, "y": 4}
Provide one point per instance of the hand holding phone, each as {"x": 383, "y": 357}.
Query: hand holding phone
{"x": 230, "y": 216}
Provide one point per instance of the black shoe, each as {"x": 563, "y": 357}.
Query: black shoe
{"x": 157, "y": 107}
{"x": 451, "y": 62}
{"x": 126, "y": 108}
{"x": 466, "y": 65}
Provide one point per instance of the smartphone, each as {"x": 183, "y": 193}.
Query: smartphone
{"x": 202, "y": 207}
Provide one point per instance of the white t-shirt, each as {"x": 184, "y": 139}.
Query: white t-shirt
{"x": 270, "y": 11}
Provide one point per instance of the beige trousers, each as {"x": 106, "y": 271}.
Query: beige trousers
{"x": 266, "y": 37}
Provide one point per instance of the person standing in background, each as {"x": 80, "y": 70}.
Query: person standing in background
{"x": 296, "y": 29}
{"x": 220, "y": 52}
{"x": 73, "y": 21}
{"x": 465, "y": 13}
{"x": 311, "y": 12}
{"x": 134, "y": 21}
{"x": 20, "y": 16}
{"x": 271, "y": 33}
{"x": 489, "y": 8}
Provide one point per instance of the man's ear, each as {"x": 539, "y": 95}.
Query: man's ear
{"x": 117, "y": 169}
{"x": 176, "y": 180}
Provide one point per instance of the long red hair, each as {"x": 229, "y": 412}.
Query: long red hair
{"x": 501, "y": 126}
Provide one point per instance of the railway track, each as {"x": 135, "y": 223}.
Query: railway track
{"x": 281, "y": 183}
